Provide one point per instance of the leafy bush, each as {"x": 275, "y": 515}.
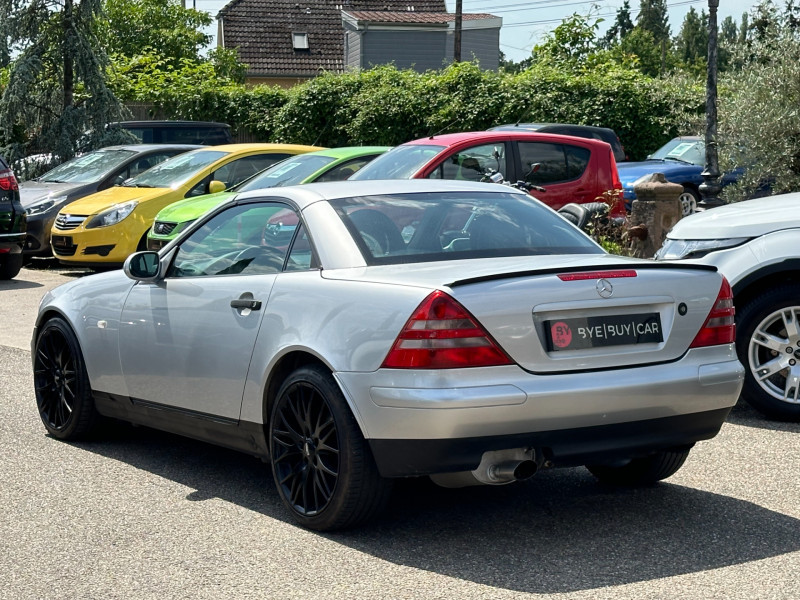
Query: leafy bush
{"x": 388, "y": 106}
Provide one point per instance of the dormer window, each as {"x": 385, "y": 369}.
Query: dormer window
{"x": 300, "y": 41}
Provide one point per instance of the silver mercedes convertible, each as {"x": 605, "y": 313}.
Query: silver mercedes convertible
{"x": 352, "y": 333}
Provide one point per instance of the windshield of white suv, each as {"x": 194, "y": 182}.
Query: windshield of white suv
{"x": 87, "y": 168}
{"x": 175, "y": 171}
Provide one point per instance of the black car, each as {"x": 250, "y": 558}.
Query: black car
{"x": 206, "y": 133}
{"x": 603, "y": 134}
{"x": 12, "y": 223}
{"x": 86, "y": 174}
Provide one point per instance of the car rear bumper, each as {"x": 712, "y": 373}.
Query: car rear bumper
{"x": 402, "y": 410}
{"x": 558, "y": 448}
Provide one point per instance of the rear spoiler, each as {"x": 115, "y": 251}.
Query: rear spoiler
{"x": 577, "y": 269}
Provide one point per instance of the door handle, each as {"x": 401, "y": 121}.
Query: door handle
{"x": 242, "y": 303}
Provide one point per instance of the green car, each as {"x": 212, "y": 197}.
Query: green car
{"x": 333, "y": 164}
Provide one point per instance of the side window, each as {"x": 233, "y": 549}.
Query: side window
{"x": 577, "y": 161}
{"x": 473, "y": 163}
{"x": 556, "y": 162}
{"x": 301, "y": 256}
{"x": 200, "y": 188}
{"x": 251, "y": 239}
{"x": 237, "y": 171}
{"x": 342, "y": 171}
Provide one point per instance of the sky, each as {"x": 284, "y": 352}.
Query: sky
{"x": 526, "y": 23}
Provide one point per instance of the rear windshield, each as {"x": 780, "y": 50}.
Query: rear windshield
{"x": 288, "y": 172}
{"x": 409, "y": 228}
{"x": 401, "y": 162}
{"x": 175, "y": 171}
{"x": 87, "y": 168}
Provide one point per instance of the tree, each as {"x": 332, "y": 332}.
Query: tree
{"x": 131, "y": 28}
{"x": 56, "y": 93}
{"x": 569, "y": 44}
{"x": 621, "y": 27}
{"x": 640, "y": 43}
{"x": 691, "y": 45}
{"x": 764, "y": 106}
{"x": 653, "y": 18}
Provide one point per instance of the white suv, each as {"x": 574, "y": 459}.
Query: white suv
{"x": 756, "y": 245}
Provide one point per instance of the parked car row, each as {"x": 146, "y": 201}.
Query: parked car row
{"x": 115, "y": 209}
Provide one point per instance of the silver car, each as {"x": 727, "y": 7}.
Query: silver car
{"x": 355, "y": 332}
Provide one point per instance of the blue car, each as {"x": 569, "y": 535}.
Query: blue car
{"x": 681, "y": 160}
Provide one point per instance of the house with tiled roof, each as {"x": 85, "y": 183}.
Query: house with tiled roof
{"x": 285, "y": 42}
{"x": 420, "y": 41}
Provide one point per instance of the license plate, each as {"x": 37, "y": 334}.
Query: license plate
{"x": 609, "y": 330}
{"x": 62, "y": 241}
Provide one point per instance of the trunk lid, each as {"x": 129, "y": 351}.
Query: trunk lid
{"x": 563, "y": 313}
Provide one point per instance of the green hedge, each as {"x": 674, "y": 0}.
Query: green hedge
{"x": 385, "y": 105}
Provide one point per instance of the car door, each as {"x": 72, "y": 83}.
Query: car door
{"x": 473, "y": 163}
{"x": 561, "y": 169}
{"x": 186, "y": 341}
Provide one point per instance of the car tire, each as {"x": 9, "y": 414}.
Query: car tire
{"x": 322, "y": 465}
{"x": 766, "y": 328}
{"x": 63, "y": 392}
{"x": 10, "y": 266}
{"x": 646, "y": 470}
{"x": 689, "y": 199}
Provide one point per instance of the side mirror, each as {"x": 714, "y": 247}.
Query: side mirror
{"x": 215, "y": 186}
{"x": 143, "y": 266}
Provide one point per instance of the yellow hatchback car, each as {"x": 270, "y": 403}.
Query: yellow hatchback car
{"x": 103, "y": 229}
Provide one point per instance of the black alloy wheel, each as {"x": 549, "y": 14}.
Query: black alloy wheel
{"x": 321, "y": 464}
{"x": 306, "y": 448}
{"x": 62, "y": 389}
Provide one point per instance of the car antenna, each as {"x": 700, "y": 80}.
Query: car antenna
{"x": 431, "y": 135}
{"x": 524, "y": 115}
{"x": 321, "y": 132}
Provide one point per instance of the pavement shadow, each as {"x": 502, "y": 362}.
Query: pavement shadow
{"x": 558, "y": 532}
{"x": 746, "y": 415}
{"x": 18, "y": 283}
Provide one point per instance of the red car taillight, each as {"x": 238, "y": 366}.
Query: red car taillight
{"x": 719, "y": 327}
{"x": 441, "y": 334}
{"x": 8, "y": 181}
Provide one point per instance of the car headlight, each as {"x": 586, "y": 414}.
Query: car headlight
{"x": 112, "y": 216}
{"x": 678, "y": 249}
{"x": 44, "y": 205}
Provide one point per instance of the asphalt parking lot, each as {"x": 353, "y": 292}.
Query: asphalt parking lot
{"x": 136, "y": 514}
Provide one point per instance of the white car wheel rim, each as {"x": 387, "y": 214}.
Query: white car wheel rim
{"x": 688, "y": 204}
{"x": 774, "y": 354}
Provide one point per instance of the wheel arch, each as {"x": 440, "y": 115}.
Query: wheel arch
{"x": 284, "y": 366}
{"x": 787, "y": 271}
{"x": 48, "y": 314}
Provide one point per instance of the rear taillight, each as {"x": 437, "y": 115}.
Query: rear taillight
{"x": 442, "y": 334}
{"x": 8, "y": 181}
{"x": 719, "y": 327}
